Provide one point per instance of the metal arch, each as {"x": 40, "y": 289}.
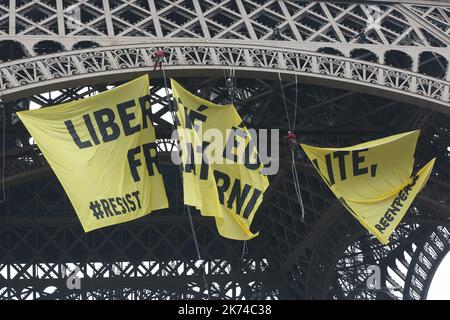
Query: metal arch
{"x": 326, "y": 276}
{"x": 293, "y": 240}
{"x": 426, "y": 261}
{"x": 34, "y": 75}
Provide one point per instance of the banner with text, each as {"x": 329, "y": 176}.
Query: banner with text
{"x": 103, "y": 151}
{"x": 221, "y": 166}
{"x": 373, "y": 179}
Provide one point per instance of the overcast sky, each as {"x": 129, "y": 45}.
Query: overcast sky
{"x": 440, "y": 285}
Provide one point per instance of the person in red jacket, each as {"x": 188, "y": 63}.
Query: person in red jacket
{"x": 158, "y": 58}
{"x": 291, "y": 140}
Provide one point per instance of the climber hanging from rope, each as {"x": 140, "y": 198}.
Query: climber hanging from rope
{"x": 158, "y": 59}
{"x": 230, "y": 86}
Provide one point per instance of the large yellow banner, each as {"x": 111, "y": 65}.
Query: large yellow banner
{"x": 373, "y": 179}
{"x": 103, "y": 151}
{"x": 221, "y": 166}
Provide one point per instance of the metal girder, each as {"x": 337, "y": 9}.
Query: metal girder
{"x": 308, "y": 22}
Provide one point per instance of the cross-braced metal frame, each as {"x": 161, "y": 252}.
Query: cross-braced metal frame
{"x": 350, "y": 84}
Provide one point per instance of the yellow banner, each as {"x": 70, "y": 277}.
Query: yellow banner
{"x": 373, "y": 179}
{"x": 103, "y": 151}
{"x": 219, "y": 181}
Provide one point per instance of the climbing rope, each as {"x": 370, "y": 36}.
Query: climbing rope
{"x": 194, "y": 235}
{"x": 244, "y": 250}
{"x": 284, "y": 101}
{"x": 293, "y": 166}
{"x": 297, "y": 186}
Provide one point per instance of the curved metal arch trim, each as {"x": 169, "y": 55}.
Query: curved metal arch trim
{"x": 23, "y": 78}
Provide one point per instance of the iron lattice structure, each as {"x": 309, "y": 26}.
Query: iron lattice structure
{"x": 350, "y": 84}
